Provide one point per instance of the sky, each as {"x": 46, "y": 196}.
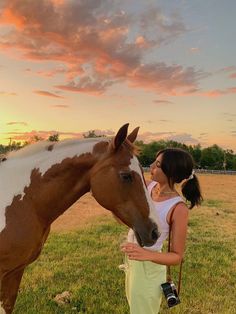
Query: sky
{"x": 70, "y": 66}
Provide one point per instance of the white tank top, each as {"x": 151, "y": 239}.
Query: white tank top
{"x": 162, "y": 210}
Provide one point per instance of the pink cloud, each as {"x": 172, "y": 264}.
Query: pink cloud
{"x": 194, "y": 49}
{"x": 7, "y": 93}
{"x": 9, "y": 17}
{"x": 231, "y": 90}
{"x": 60, "y": 106}
{"x": 92, "y": 40}
{"x": 86, "y": 85}
{"x": 52, "y": 72}
{"x": 213, "y": 93}
{"x": 153, "y": 136}
{"x": 231, "y": 68}
{"x": 45, "y": 93}
{"x": 44, "y": 134}
{"x": 147, "y": 137}
{"x": 218, "y": 92}
{"x": 171, "y": 80}
{"x": 58, "y": 2}
{"x": 162, "y": 102}
{"x": 168, "y": 136}
{"x": 17, "y": 123}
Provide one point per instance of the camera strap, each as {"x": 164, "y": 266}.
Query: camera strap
{"x": 168, "y": 276}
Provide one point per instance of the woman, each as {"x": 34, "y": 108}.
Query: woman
{"x": 146, "y": 267}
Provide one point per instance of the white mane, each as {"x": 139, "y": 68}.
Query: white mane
{"x": 42, "y": 146}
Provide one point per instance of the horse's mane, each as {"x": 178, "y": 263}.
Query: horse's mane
{"x": 28, "y": 150}
{"x": 41, "y": 146}
{"x": 135, "y": 150}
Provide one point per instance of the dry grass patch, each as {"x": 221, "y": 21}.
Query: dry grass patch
{"x": 218, "y": 209}
{"x": 83, "y": 212}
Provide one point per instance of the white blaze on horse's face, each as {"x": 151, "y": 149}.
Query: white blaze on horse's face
{"x": 2, "y": 311}
{"x": 135, "y": 166}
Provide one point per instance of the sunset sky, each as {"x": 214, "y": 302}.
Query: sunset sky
{"x": 70, "y": 66}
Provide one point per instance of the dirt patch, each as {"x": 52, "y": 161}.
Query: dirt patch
{"x": 219, "y": 192}
{"x": 219, "y": 187}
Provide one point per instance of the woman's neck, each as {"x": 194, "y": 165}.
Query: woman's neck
{"x": 165, "y": 190}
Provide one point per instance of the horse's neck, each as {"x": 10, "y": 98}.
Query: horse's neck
{"x": 67, "y": 183}
{"x": 47, "y": 181}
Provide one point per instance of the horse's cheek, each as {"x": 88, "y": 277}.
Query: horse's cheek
{"x": 101, "y": 194}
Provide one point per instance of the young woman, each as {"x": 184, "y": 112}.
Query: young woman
{"x": 146, "y": 267}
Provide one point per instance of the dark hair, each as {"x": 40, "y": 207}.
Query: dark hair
{"x": 177, "y": 164}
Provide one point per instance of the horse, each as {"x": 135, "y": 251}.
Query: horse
{"x": 40, "y": 181}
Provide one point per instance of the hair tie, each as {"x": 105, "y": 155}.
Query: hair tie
{"x": 191, "y": 175}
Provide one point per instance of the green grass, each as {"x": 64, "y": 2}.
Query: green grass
{"x": 212, "y": 203}
{"x": 85, "y": 263}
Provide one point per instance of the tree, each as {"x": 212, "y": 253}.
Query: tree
{"x": 229, "y": 159}
{"x": 196, "y": 152}
{"x": 54, "y": 138}
{"x": 92, "y": 134}
{"x": 36, "y": 138}
{"x": 149, "y": 151}
{"x": 212, "y": 157}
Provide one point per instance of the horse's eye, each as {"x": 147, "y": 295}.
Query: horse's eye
{"x": 126, "y": 177}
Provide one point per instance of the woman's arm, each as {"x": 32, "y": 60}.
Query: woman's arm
{"x": 179, "y": 234}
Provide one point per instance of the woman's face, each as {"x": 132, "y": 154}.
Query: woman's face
{"x": 156, "y": 172}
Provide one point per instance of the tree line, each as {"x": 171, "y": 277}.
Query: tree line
{"x": 212, "y": 158}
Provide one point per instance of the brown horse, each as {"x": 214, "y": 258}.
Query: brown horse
{"x": 39, "y": 182}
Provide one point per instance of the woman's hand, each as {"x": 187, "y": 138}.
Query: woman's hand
{"x": 135, "y": 252}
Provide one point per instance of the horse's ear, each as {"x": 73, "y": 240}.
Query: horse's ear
{"x": 120, "y": 137}
{"x": 133, "y": 135}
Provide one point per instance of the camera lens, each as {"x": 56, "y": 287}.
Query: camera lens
{"x": 172, "y": 301}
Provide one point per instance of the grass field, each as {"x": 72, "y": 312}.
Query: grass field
{"x": 82, "y": 256}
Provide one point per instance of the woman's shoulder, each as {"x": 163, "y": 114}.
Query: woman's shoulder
{"x": 180, "y": 209}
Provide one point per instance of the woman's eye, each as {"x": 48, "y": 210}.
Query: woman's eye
{"x": 126, "y": 176}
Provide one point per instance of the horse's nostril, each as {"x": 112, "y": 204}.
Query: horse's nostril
{"x": 155, "y": 234}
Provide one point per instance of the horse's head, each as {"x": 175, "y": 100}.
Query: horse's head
{"x": 117, "y": 184}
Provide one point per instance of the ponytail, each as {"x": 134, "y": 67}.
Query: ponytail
{"x": 192, "y": 192}
{"x": 178, "y": 166}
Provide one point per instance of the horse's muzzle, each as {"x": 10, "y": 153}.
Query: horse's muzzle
{"x": 155, "y": 234}
{"x": 147, "y": 237}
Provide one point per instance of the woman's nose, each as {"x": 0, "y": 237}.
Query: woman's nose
{"x": 152, "y": 165}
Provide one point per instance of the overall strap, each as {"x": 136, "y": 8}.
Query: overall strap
{"x": 169, "y": 241}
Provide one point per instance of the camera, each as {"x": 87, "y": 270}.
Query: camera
{"x": 170, "y": 293}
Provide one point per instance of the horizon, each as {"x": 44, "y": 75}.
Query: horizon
{"x": 33, "y": 141}
{"x": 69, "y": 67}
